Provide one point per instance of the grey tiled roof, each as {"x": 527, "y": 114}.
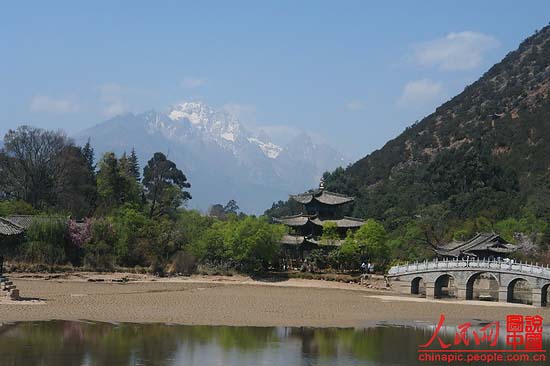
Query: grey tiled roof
{"x": 17, "y": 224}
{"x": 25, "y": 221}
{"x": 298, "y": 240}
{"x": 329, "y": 243}
{"x": 483, "y": 241}
{"x": 292, "y": 239}
{"x": 346, "y": 222}
{"x": 301, "y": 220}
{"x": 8, "y": 228}
{"x": 297, "y": 220}
{"x": 322, "y": 196}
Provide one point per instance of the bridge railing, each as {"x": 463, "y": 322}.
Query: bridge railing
{"x": 498, "y": 265}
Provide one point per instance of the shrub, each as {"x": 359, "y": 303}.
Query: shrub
{"x": 330, "y": 233}
{"x": 47, "y": 241}
{"x": 98, "y": 252}
{"x": 183, "y": 262}
{"x": 15, "y": 208}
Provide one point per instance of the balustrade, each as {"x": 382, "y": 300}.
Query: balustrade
{"x": 499, "y": 265}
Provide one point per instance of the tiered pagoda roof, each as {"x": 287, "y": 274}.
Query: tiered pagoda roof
{"x": 297, "y": 240}
{"x": 302, "y": 220}
{"x": 322, "y": 196}
{"x": 294, "y": 221}
{"x": 292, "y": 239}
{"x": 346, "y": 222}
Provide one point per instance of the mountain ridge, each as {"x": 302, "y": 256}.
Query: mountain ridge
{"x": 223, "y": 159}
{"x": 501, "y": 123}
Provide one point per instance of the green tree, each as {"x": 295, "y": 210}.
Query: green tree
{"x": 432, "y": 221}
{"x": 45, "y": 169}
{"x": 212, "y": 247}
{"x": 114, "y": 186}
{"x": 133, "y": 165}
{"x": 217, "y": 211}
{"x": 369, "y": 242}
{"x": 372, "y": 237}
{"x": 191, "y": 226}
{"x": 164, "y": 186}
{"x": 15, "y": 207}
{"x": 78, "y": 195}
{"x": 253, "y": 242}
{"x": 350, "y": 253}
{"x": 231, "y": 207}
{"x": 29, "y": 165}
{"x": 249, "y": 244}
{"x": 99, "y": 250}
{"x": 330, "y": 233}
{"x": 46, "y": 241}
{"x": 89, "y": 156}
{"x": 135, "y": 234}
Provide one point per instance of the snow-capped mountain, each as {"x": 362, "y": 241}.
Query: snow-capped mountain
{"x": 221, "y": 158}
{"x": 220, "y": 126}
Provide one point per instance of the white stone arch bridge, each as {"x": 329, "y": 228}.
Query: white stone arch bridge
{"x": 457, "y": 279}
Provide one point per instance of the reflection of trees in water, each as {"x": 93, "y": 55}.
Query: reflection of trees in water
{"x": 38, "y": 344}
{"x": 381, "y": 344}
{"x": 74, "y": 343}
{"x": 71, "y": 343}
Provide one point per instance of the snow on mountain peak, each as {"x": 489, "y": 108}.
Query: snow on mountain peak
{"x": 196, "y": 112}
{"x": 220, "y": 126}
{"x": 269, "y": 149}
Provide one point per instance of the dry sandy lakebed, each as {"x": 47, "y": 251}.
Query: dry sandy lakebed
{"x": 237, "y": 300}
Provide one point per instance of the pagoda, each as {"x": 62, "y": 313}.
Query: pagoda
{"x": 305, "y": 230}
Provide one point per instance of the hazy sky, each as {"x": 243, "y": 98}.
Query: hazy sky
{"x": 355, "y": 72}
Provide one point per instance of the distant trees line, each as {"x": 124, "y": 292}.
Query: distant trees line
{"x": 119, "y": 217}
{"x": 123, "y": 216}
{"x": 49, "y": 172}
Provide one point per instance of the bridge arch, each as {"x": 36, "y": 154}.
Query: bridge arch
{"x": 544, "y": 295}
{"x": 418, "y": 286}
{"x": 445, "y": 286}
{"x": 482, "y": 286}
{"x": 519, "y": 290}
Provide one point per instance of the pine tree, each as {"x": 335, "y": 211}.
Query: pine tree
{"x": 133, "y": 165}
{"x": 114, "y": 185}
{"x": 123, "y": 162}
{"x": 91, "y": 176}
{"x": 88, "y": 152}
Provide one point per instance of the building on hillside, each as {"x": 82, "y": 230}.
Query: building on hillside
{"x": 305, "y": 230}
{"x": 481, "y": 246}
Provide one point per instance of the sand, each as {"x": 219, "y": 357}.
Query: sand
{"x": 238, "y": 301}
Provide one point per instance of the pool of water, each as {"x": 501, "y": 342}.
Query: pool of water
{"x": 63, "y": 343}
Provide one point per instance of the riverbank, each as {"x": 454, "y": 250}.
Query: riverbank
{"x": 236, "y": 300}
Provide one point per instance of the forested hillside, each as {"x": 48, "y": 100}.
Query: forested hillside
{"x": 480, "y": 162}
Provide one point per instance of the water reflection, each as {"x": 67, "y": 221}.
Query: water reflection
{"x": 61, "y": 343}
